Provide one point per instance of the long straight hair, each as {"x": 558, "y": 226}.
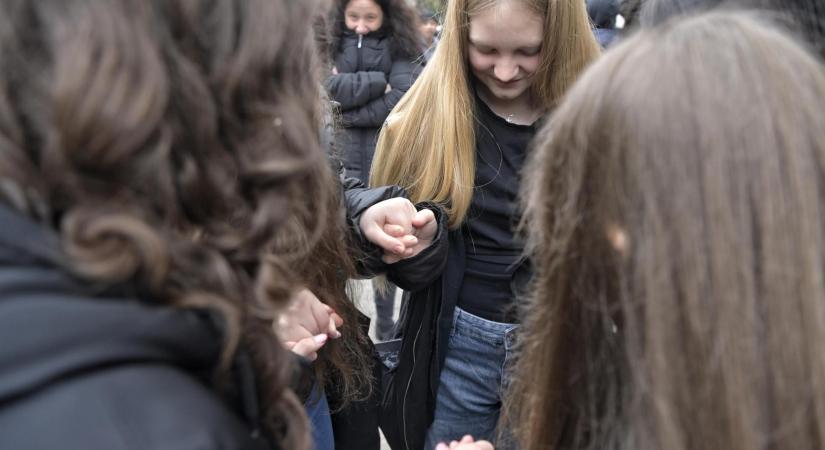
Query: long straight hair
{"x": 675, "y": 207}
{"x": 427, "y": 144}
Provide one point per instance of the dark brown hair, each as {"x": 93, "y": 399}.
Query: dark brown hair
{"x": 675, "y": 205}
{"x": 399, "y": 24}
{"x": 168, "y": 141}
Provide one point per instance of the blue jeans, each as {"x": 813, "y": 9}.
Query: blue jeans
{"x": 317, "y": 410}
{"x": 470, "y": 386}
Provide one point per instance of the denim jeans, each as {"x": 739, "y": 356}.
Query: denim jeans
{"x": 384, "y": 309}
{"x": 317, "y": 410}
{"x": 469, "y": 392}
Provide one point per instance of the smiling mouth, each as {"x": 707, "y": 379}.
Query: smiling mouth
{"x": 506, "y": 83}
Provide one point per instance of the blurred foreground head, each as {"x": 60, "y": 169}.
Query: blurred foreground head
{"x": 805, "y": 18}
{"x": 675, "y": 207}
{"x": 166, "y": 142}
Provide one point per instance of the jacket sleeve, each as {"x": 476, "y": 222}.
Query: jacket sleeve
{"x": 359, "y": 198}
{"x": 420, "y": 271}
{"x": 356, "y": 89}
{"x": 409, "y": 274}
{"x": 373, "y": 114}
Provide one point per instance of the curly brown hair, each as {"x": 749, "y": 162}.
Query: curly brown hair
{"x": 168, "y": 141}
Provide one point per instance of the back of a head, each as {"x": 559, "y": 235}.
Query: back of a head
{"x": 675, "y": 207}
{"x": 166, "y": 142}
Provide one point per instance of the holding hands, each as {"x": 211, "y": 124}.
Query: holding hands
{"x": 306, "y": 324}
{"x": 400, "y": 230}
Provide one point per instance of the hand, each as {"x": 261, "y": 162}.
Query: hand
{"x": 466, "y": 443}
{"x": 334, "y": 70}
{"x": 424, "y": 227}
{"x": 306, "y": 324}
{"x": 396, "y": 227}
{"x": 388, "y": 89}
{"x": 395, "y": 215}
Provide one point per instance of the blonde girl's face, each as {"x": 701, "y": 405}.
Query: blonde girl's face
{"x": 363, "y": 16}
{"x": 504, "y": 46}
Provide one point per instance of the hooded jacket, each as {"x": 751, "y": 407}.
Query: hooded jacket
{"x": 82, "y": 368}
{"x": 366, "y": 65}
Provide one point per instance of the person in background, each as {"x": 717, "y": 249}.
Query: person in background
{"x": 679, "y": 247}
{"x": 151, "y": 153}
{"x": 374, "y": 47}
{"x": 457, "y": 143}
{"x": 428, "y": 29}
{"x": 603, "y": 14}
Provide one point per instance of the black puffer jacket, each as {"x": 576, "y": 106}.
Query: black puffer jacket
{"x": 82, "y": 369}
{"x": 365, "y": 65}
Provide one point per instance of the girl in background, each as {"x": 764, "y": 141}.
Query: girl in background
{"x": 374, "y": 47}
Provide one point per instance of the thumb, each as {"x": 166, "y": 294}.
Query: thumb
{"x": 308, "y": 347}
{"x": 422, "y": 218}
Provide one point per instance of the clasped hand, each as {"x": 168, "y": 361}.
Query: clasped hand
{"x": 398, "y": 228}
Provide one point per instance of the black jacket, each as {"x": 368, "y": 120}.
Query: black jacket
{"x": 365, "y": 66}
{"x": 85, "y": 369}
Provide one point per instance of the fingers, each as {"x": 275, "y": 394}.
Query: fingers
{"x": 377, "y": 236}
{"x": 308, "y": 347}
{"x": 422, "y": 218}
{"x": 466, "y": 443}
{"x": 332, "y": 329}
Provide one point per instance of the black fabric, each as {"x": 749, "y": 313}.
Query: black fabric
{"x": 494, "y": 252}
{"x": 84, "y": 369}
{"x": 413, "y": 361}
{"x": 365, "y": 66}
{"x": 355, "y": 427}
{"x": 411, "y": 274}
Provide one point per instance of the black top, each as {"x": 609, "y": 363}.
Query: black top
{"x": 494, "y": 252}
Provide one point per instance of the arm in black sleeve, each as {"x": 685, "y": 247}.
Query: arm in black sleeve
{"x": 356, "y": 89}
{"x": 375, "y": 112}
{"x": 409, "y": 274}
{"x": 358, "y": 198}
{"x": 423, "y": 269}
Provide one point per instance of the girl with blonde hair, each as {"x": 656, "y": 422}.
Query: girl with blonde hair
{"x": 458, "y": 140}
{"x": 675, "y": 206}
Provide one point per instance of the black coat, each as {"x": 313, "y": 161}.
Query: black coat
{"x": 85, "y": 369}
{"x": 365, "y": 66}
{"x": 412, "y": 363}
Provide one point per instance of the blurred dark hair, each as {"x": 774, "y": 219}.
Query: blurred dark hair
{"x": 168, "y": 141}
{"x": 399, "y": 24}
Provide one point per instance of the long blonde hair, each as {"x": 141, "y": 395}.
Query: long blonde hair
{"x": 675, "y": 206}
{"x": 427, "y": 144}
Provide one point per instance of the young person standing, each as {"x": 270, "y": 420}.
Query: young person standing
{"x": 458, "y": 140}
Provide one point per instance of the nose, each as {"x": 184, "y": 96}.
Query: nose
{"x": 506, "y": 70}
{"x": 361, "y": 27}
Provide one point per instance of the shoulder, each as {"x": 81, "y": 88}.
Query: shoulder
{"x": 133, "y": 406}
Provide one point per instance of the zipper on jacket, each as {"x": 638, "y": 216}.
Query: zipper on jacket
{"x": 358, "y": 51}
